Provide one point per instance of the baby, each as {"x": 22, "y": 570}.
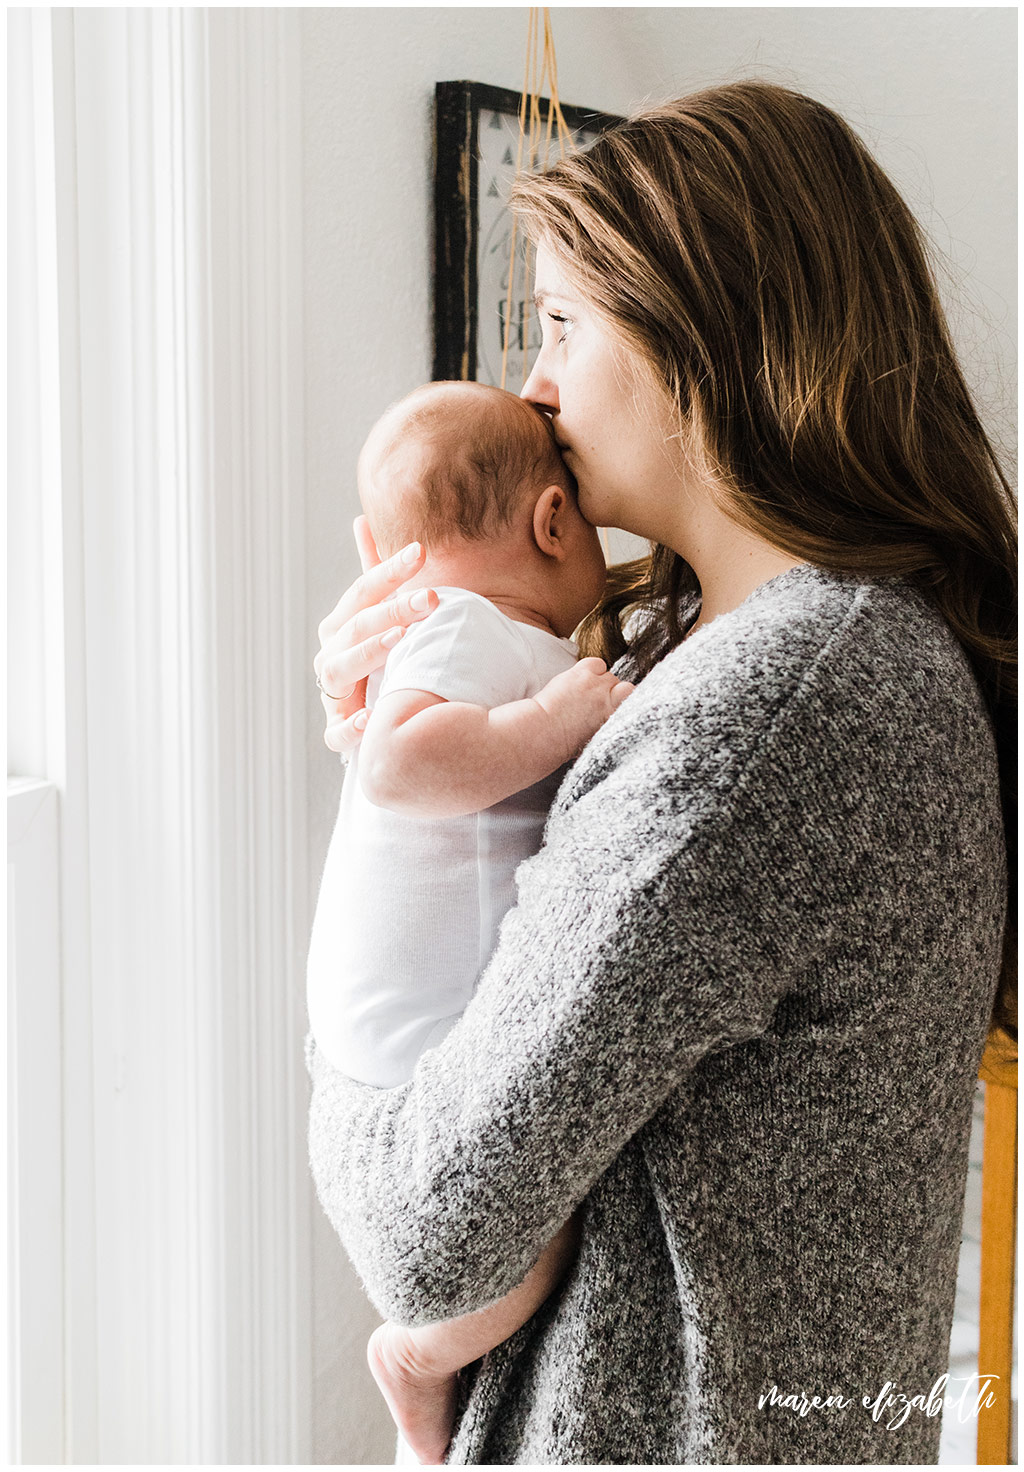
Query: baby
{"x": 474, "y": 717}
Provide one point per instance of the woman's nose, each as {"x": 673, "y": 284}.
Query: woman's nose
{"x": 539, "y": 388}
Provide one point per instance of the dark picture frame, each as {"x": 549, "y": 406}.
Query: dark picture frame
{"x": 462, "y": 201}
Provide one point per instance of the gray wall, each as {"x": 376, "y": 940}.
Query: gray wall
{"x": 933, "y": 93}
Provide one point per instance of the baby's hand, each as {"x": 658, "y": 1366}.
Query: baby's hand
{"x": 580, "y": 700}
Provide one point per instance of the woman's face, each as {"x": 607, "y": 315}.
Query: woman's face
{"x": 614, "y": 432}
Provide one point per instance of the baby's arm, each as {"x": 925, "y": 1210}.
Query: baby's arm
{"x": 438, "y": 758}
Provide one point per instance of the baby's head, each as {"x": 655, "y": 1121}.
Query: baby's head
{"x": 455, "y": 461}
{"x": 474, "y": 472}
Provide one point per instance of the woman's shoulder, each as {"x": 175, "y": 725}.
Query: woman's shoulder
{"x": 820, "y": 632}
{"x": 827, "y": 709}
{"x": 824, "y": 661}
{"x": 832, "y": 642}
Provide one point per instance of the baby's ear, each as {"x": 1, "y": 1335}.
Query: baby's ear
{"x": 549, "y": 514}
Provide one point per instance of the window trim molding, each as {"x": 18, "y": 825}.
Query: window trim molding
{"x": 36, "y": 1307}
{"x": 186, "y": 1228}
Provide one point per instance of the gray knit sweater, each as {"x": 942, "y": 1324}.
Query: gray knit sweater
{"x": 738, "y": 1014}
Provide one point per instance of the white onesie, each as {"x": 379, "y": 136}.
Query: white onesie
{"x": 409, "y": 907}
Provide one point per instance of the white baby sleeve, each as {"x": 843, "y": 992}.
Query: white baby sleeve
{"x": 465, "y": 650}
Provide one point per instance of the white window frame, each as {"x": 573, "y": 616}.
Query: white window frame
{"x": 170, "y": 740}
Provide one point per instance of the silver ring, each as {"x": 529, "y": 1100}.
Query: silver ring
{"x": 328, "y": 693}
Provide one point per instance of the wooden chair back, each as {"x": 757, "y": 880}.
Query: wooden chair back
{"x": 998, "y": 1238}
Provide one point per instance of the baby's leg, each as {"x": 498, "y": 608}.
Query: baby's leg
{"x": 416, "y": 1368}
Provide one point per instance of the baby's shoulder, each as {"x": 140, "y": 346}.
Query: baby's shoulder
{"x": 461, "y": 603}
{"x": 468, "y": 619}
{"x": 464, "y": 650}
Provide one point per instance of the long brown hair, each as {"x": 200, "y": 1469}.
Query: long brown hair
{"x": 745, "y": 244}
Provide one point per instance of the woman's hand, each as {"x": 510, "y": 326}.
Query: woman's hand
{"x": 364, "y": 625}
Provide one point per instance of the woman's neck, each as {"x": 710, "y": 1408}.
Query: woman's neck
{"x": 729, "y": 562}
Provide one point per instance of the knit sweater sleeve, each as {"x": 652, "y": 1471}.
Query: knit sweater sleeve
{"x": 682, "y": 889}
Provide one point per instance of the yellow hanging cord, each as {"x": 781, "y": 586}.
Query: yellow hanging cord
{"x": 564, "y": 134}
{"x": 536, "y": 89}
{"x": 538, "y": 70}
{"x": 523, "y": 102}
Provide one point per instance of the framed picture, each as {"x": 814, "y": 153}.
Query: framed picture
{"x": 477, "y": 140}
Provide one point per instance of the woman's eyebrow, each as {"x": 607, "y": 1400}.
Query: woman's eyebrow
{"x": 541, "y": 295}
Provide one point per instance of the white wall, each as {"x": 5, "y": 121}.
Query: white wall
{"x": 932, "y": 91}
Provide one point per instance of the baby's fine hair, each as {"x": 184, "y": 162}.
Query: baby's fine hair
{"x": 454, "y": 461}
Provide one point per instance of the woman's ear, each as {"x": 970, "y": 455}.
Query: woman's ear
{"x": 549, "y": 521}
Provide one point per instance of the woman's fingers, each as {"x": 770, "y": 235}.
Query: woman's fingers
{"x": 374, "y": 584}
{"x": 403, "y": 610}
{"x": 362, "y": 645}
{"x": 342, "y": 671}
{"x": 367, "y": 547}
{"x": 344, "y": 735}
{"x": 345, "y": 702}
{"x": 365, "y": 624}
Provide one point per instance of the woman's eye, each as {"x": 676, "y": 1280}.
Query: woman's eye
{"x": 566, "y": 322}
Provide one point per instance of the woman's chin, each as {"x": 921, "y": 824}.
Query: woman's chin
{"x": 597, "y": 514}
{"x": 610, "y": 515}
{"x": 590, "y": 507}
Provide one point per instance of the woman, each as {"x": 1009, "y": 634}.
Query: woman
{"x": 737, "y": 1014}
